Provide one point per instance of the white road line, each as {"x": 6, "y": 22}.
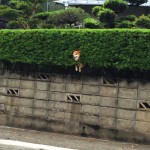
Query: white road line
{"x": 31, "y": 145}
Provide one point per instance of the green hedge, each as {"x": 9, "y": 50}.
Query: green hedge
{"x": 100, "y": 48}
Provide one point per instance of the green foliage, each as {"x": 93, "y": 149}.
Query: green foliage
{"x": 4, "y": 2}
{"x": 96, "y": 9}
{"x": 104, "y": 48}
{"x": 22, "y": 12}
{"x": 137, "y": 2}
{"x": 8, "y": 13}
{"x": 107, "y": 16}
{"x": 143, "y": 22}
{"x": 42, "y": 15}
{"x": 126, "y": 24}
{"x": 130, "y": 18}
{"x": 91, "y": 23}
{"x": 118, "y": 6}
{"x": 63, "y": 17}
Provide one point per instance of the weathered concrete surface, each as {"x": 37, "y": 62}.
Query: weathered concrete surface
{"x": 65, "y": 141}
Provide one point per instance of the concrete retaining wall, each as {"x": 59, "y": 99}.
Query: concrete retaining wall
{"x": 76, "y": 104}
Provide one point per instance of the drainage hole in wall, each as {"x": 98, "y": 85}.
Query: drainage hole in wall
{"x": 73, "y": 98}
{"x": 43, "y": 76}
{"x": 144, "y": 105}
{"x": 12, "y": 92}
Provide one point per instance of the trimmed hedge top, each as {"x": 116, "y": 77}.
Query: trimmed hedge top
{"x": 104, "y": 48}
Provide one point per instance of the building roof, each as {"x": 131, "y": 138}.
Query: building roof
{"x": 87, "y": 2}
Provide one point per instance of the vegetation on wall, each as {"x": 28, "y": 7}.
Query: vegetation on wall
{"x": 105, "y": 48}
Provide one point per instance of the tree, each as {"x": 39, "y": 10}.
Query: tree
{"x": 136, "y": 2}
{"x": 107, "y": 16}
{"x": 24, "y": 11}
{"x": 118, "y": 6}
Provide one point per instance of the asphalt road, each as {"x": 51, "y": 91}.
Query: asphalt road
{"x": 59, "y": 140}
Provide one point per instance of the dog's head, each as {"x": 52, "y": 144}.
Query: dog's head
{"x": 76, "y": 55}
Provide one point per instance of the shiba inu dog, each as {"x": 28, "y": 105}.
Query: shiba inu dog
{"x": 76, "y": 56}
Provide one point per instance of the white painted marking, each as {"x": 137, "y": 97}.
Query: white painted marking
{"x": 31, "y": 145}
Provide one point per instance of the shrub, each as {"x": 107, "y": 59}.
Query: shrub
{"x": 8, "y": 13}
{"x": 117, "y": 6}
{"x": 130, "y": 18}
{"x": 91, "y": 23}
{"x": 105, "y": 48}
{"x": 106, "y": 15}
{"x": 125, "y": 24}
{"x": 96, "y": 9}
{"x": 143, "y": 22}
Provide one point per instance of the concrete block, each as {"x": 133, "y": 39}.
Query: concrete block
{"x": 22, "y": 122}
{"x": 28, "y": 76}
{"x": 44, "y": 86}
{"x": 50, "y": 114}
{"x": 15, "y": 83}
{"x": 90, "y": 99}
{"x": 56, "y": 126}
{"x": 25, "y": 84}
{"x": 25, "y": 111}
{"x": 74, "y": 107}
{"x": 126, "y": 114}
{"x": 57, "y": 87}
{"x": 40, "y": 113}
{"x": 39, "y": 124}
{"x": 13, "y": 110}
{"x": 76, "y": 79}
{"x": 72, "y": 117}
{"x": 3, "y": 119}
{"x": 60, "y": 106}
{"x": 11, "y": 100}
{"x": 25, "y": 102}
{"x": 3, "y": 99}
{"x": 2, "y": 108}
{"x": 50, "y": 105}
{"x": 13, "y": 75}
{"x": 108, "y": 102}
{"x": 108, "y": 112}
{"x": 27, "y": 93}
{"x": 72, "y": 128}
{"x": 144, "y": 85}
{"x": 108, "y": 91}
{"x": 42, "y": 95}
{"x": 3, "y": 82}
{"x": 90, "y": 109}
{"x": 107, "y": 122}
{"x": 142, "y": 127}
{"x": 90, "y": 119}
{"x": 91, "y": 89}
{"x": 57, "y": 96}
{"x": 3, "y": 73}
{"x": 58, "y": 78}
{"x": 128, "y": 83}
{"x": 127, "y": 93}
{"x": 88, "y": 131}
{"x": 144, "y": 94}
{"x": 74, "y": 88}
{"x": 143, "y": 116}
{"x": 40, "y": 104}
{"x": 59, "y": 116}
{"x": 2, "y": 90}
{"x": 91, "y": 80}
{"x": 127, "y": 103}
{"x": 125, "y": 124}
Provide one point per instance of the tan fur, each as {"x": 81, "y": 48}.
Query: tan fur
{"x": 76, "y": 56}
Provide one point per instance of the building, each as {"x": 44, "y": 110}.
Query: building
{"x": 87, "y": 5}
